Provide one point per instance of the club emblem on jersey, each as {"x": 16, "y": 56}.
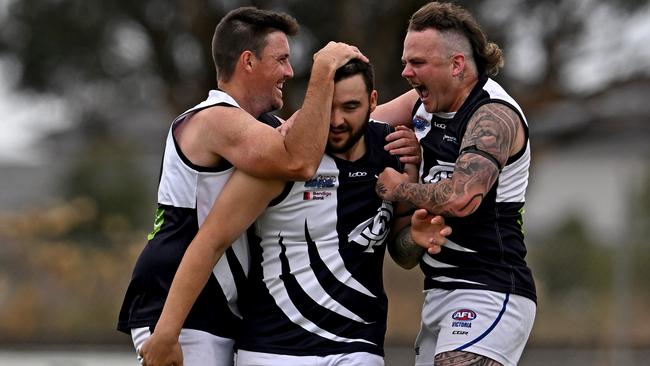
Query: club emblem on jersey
{"x": 420, "y": 123}
{"x": 442, "y": 170}
{"x": 374, "y": 231}
{"x": 321, "y": 181}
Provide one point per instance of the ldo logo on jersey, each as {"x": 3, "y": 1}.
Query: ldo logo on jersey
{"x": 463, "y": 318}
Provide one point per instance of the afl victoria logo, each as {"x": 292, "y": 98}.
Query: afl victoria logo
{"x": 464, "y": 315}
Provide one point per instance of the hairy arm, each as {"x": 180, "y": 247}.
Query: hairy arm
{"x": 241, "y": 201}
{"x": 258, "y": 150}
{"x": 397, "y": 111}
{"x": 494, "y": 130}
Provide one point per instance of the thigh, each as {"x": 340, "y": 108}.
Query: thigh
{"x": 199, "y": 348}
{"x": 250, "y": 358}
{"x": 354, "y": 359}
{"x": 202, "y": 348}
{"x": 485, "y": 323}
{"x": 427, "y": 338}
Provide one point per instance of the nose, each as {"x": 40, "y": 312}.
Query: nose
{"x": 336, "y": 119}
{"x": 288, "y": 71}
{"x": 407, "y": 72}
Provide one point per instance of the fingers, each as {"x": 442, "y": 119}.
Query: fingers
{"x": 420, "y": 214}
{"x": 404, "y": 144}
{"x": 339, "y": 53}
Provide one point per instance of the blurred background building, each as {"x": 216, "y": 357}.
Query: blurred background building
{"x": 88, "y": 90}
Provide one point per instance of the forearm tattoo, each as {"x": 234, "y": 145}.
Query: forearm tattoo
{"x": 460, "y": 358}
{"x": 380, "y": 188}
{"x": 493, "y": 130}
{"x": 403, "y": 249}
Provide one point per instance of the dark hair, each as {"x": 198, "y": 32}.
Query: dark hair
{"x": 446, "y": 17}
{"x": 244, "y": 29}
{"x": 354, "y": 67}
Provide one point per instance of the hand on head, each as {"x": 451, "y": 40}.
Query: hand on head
{"x": 338, "y": 54}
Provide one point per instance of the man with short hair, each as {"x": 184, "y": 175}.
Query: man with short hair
{"x": 315, "y": 290}
{"x": 204, "y": 144}
{"x": 480, "y": 294}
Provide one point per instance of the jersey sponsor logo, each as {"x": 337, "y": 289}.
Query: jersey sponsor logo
{"x": 321, "y": 181}
{"x": 460, "y": 332}
{"x": 447, "y": 138}
{"x": 316, "y": 195}
{"x": 464, "y": 315}
{"x": 420, "y": 123}
{"x": 439, "y": 125}
{"x": 374, "y": 231}
{"x": 357, "y": 174}
{"x": 443, "y": 170}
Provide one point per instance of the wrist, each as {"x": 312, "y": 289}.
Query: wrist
{"x": 398, "y": 193}
{"x": 324, "y": 68}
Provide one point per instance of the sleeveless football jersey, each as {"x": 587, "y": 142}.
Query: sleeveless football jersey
{"x": 486, "y": 249}
{"x": 186, "y": 193}
{"x": 315, "y": 284}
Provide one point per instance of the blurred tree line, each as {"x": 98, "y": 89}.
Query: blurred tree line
{"x": 125, "y": 68}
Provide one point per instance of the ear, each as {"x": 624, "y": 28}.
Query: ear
{"x": 373, "y": 101}
{"x": 457, "y": 64}
{"x": 247, "y": 60}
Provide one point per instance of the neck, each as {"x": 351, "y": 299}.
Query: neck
{"x": 237, "y": 90}
{"x": 466, "y": 86}
{"x": 355, "y": 152}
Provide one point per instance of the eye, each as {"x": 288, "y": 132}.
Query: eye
{"x": 350, "y": 106}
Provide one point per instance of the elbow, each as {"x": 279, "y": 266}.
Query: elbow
{"x": 302, "y": 171}
{"x": 464, "y": 206}
{"x": 406, "y": 264}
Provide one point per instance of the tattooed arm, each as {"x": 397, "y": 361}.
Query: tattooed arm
{"x": 493, "y": 134}
{"x": 426, "y": 233}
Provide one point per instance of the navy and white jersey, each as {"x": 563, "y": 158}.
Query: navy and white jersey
{"x": 186, "y": 193}
{"x": 486, "y": 249}
{"x": 315, "y": 284}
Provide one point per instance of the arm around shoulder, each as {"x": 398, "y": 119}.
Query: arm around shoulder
{"x": 397, "y": 111}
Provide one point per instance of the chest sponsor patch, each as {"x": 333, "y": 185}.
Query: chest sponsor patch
{"x": 316, "y": 195}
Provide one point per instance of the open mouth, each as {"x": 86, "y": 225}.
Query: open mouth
{"x": 422, "y": 91}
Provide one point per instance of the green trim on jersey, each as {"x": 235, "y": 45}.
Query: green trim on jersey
{"x": 520, "y": 221}
{"x": 157, "y": 224}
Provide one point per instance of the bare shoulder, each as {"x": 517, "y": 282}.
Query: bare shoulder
{"x": 223, "y": 115}
{"x": 398, "y": 110}
{"x": 496, "y": 129}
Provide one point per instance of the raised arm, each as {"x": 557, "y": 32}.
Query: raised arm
{"x": 263, "y": 152}
{"x": 493, "y": 134}
{"x": 241, "y": 201}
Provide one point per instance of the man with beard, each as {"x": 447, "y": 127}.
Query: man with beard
{"x": 252, "y": 57}
{"x": 315, "y": 293}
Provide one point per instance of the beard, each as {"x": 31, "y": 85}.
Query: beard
{"x": 352, "y": 140}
